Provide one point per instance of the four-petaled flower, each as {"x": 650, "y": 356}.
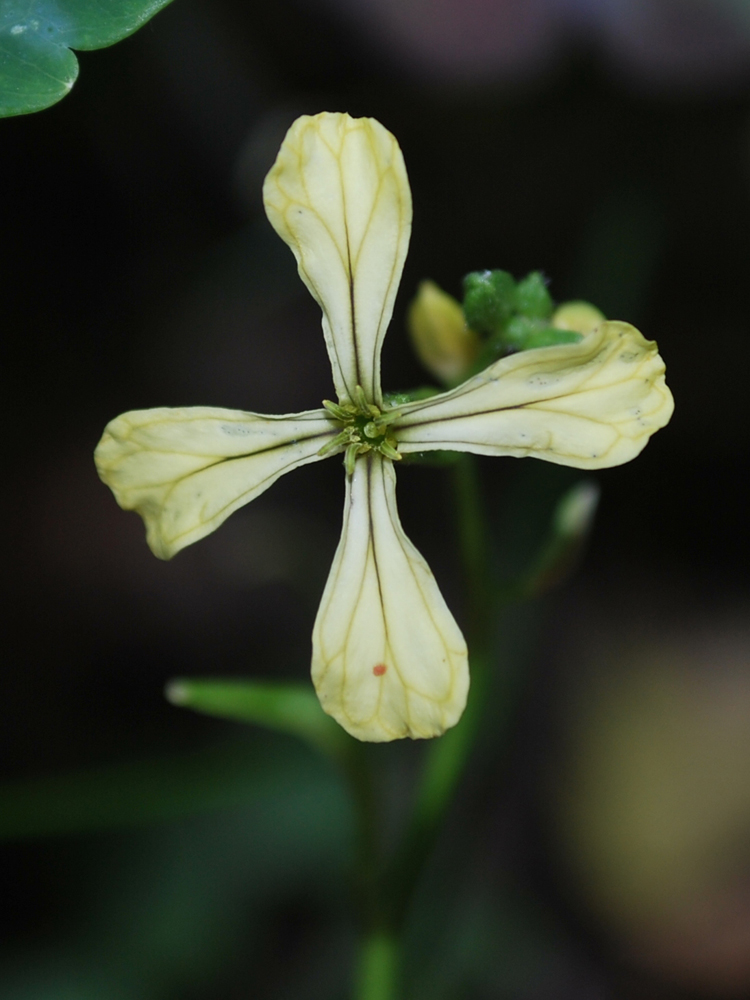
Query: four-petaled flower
{"x": 388, "y": 658}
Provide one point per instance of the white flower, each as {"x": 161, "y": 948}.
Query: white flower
{"x": 388, "y": 657}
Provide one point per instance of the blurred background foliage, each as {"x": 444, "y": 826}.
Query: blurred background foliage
{"x": 600, "y": 844}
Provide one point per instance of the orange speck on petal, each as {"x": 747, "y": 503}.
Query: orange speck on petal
{"x": 379, "y": 669}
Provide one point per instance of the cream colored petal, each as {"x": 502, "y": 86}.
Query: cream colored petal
{"x": 591, "y": 405}
{"x": 186, "y": 470}
{"x": 388, "y": 658}
{"x": 338, "y": 194}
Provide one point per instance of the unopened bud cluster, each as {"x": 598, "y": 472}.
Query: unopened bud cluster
{"x": 498, "y": 316}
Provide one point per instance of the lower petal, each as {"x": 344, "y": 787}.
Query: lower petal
{"x": 389, "y": 660}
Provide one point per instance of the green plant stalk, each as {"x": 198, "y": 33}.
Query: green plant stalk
{"x": 377, "y": 972}
{"x": 367, "y": 848}
{"x": 377, "y": 962}
{"x": 474, "y": 548}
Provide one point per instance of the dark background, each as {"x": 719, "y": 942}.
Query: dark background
{"x": 600, "y": 846}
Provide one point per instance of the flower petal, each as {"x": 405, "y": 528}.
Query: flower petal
{"x": 186, "y": 470}
{"x": 591, "y": 405}
{"x": 389, "y": 659}
{"x": 338, "y": 194}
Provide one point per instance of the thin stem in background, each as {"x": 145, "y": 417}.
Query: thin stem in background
{"x": 377, "y": 968}
{"x": 377, "y": 972}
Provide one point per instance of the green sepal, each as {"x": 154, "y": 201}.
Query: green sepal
{"x": 489, "y": 300}
{"x": 138, "y": 793}
{"x": 391, "y": 400}
{"x": 284, "y": 707}
{"x": 37, "y": 66}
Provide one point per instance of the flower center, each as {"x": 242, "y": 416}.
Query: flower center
{"x": 364, "y": 428}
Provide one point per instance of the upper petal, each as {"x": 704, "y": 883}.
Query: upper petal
{"x": 389, "y": 659}
{"x": 186, "y": 470}
{"x": 338, "y": 194}
{"x": 590, "y": 405}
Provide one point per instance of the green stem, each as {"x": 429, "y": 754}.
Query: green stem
{"x": 377, "y": 962}
{"x": 377, "y": 968}
{"x": 367, "y": 860}
{"x": 473, "y": 537}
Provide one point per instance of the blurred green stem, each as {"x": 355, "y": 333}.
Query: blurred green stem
{"x": 377, "y": 963}
{"x": 377, "y": 970}
{"x": 367, "y": 853}
{"x": 474, "y": 545}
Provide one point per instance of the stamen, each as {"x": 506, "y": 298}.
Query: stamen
{"x": 364, "y": 428}
{"x": 389, "y": 451}
{"x": 361, "y": 400}
{"x": 387, "y": 418}
{"x": 350, "y": 458}
{"x": 334, "y": 443}
{"x": 336, "y": 410}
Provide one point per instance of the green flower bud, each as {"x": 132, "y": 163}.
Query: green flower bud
{"x": 579, "y": 316}
{"x": 489, "y": 300}
{"x": 443, "y": 342}
{"x": 523, "y": 334}
{"x": 549, "y": 336}
{"x": 532, "y": 298}
{"x": 517, "y": 332}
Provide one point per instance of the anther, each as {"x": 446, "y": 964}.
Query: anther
{"x": 342, "y": 438}
{"x": 361, "y": 400}
{"x": 336, "y": 410}
{"x": 350, "y": 458}
{"x": 389, "y": 451}
{"x": 387, "y": 418}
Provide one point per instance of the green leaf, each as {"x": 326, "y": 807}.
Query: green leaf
{"x": 37, "y": 67}
{"x": 286, "y": 708}
{"x": 141, "y": 793}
